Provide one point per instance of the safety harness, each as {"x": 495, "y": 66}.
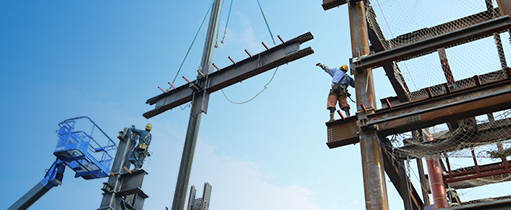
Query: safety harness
{"x": 337, "y": 87}
{"x": 142, "y": 145}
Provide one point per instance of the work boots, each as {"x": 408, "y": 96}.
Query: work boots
{"x": 347, "y": 111}
{"x": 332, "y": 112}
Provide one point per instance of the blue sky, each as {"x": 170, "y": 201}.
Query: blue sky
{"x": 104, "y": 59}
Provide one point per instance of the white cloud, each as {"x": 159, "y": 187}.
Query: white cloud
{"x": 237, "y": 184}
{"x": 240, "y": 34}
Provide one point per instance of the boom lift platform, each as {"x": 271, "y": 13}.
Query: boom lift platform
{"x": 83, "y": 152}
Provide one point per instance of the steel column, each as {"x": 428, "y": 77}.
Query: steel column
{"x": 423, "y": 182}
{"x": 199, "y": 105}
{"x": 496, "y": 36}
{"x": 110, "y": 199}
{"x": 372, "y": 163}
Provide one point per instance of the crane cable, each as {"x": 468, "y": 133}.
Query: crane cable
{"x": 265, "y": 87}
{"x": 227, "y": 23}
{"x": 200, "y": 27}
{"x": 267, "y": 25}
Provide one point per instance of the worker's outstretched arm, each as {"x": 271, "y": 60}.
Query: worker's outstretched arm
{"x": 326, "y": 69}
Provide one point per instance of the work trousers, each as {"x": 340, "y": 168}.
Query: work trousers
{"x": 333, "y": 98}
{"x": 137, "y": 157}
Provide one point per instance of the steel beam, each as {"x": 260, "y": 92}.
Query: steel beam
{"x": 444, "y": 27}
{"x": 480, "y": 182}
{"x": 460, "y": 104}
{"x": 329, "y": 4}
{"x": 452, "y": 38}
{"x": 491, "y": 205}
{"x": 252, "y": 66}
{"x": 342, "y": 132}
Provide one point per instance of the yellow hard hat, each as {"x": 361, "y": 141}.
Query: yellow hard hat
{"x": 149, "y": 126}
{"x": 344, "y": 68}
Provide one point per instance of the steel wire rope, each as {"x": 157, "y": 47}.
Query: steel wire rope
{"x": 218, "y": 28}
{"x": 265, "y": 87}
{"x": 227, "y": 22}
{"x": 193, "y": 41}
{"x": 267, "y": 25}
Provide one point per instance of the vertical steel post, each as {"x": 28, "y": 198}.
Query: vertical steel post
{"x": 199, "y": 104}
{"x": 111, "y": 200}
{"x": 372, "y": 163}
{"x": 445, "y": 66}
{"x": 423, "y": 181}
{"x": 496, "y": 37}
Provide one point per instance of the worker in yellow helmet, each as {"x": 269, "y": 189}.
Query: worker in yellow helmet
{"x": 339, "y": 91}
{"x": 141, "y": 150}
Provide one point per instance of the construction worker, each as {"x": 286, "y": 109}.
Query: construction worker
{"x": 340, "y": 82}
{"x": 141, "y": 150}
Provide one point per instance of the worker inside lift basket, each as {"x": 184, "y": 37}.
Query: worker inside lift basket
{"x": 141, "y": 150}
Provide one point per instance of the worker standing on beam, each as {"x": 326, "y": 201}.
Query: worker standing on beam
{"x": 339, "y": 91}
{"x": 141, "y": 150}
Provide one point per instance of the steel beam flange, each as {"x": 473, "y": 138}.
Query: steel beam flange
{"x": 476, "y": 31}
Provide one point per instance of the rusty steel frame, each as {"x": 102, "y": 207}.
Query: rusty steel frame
{"x": 460, "y": 104}
{"x": 445, "y": 27}
{"x": 375, "y": 187}
{"x": 252, "y": 66}
{"x": 477, "y": 172}
{"x": 476, "y": 31}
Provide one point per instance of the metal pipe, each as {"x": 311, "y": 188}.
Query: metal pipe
{"x": 436, "y": 181}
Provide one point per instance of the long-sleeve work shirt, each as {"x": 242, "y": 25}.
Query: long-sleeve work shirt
{"x": 337, "y": 74}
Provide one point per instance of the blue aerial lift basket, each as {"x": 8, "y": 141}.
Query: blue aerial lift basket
{"x": 85, "y": 153}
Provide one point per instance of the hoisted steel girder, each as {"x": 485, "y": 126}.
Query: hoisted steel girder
{"x": 459, "y": 104}
{"x": 252, "y": 66}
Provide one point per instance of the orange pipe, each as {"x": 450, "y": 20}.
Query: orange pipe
{"x": 436, "y": 182}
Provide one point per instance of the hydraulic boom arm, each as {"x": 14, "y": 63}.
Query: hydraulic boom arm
{"x": 52, "y": 178}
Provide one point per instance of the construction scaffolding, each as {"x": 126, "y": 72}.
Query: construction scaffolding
{"x": 447, "y": 64}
